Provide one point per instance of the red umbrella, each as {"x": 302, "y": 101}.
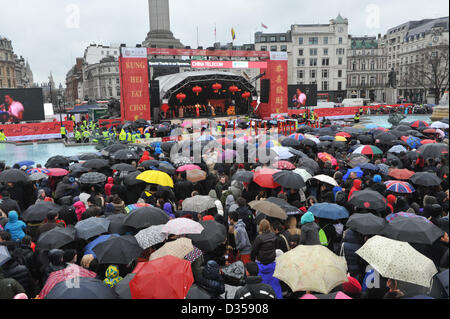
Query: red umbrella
{"x": 56, "y": 172}
{"x": 424, "y": 142}
{"x": 264, "y": 177}
{"x": 224, "y": 141}
{"x": 417, "y": 124}
{"x": 284, "y": 165}
{"x": 401, "y": 174}
{"x": 168, "y": 277}
{"x": 430, "y": 131}
{"x": 344, "y": 134}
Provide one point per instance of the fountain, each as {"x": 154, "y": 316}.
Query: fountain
{"x": 441, "y": 111}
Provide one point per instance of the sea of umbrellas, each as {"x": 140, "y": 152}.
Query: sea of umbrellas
{"x": 159, "y": 250}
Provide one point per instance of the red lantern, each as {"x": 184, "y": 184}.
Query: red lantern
{"x": 181, "y": 97}
{"x": 233, "y": 89}
{"x": 216, "y": 87}
{"x": 246, "y": 95}
{"x": 197, "y": 90}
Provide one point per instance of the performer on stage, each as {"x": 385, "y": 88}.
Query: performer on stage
{"x": 299, "y": 99}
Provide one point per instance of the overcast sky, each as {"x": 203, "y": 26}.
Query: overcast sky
{"x": 50, "y": 34}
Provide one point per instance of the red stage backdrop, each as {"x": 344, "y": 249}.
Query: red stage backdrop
{"x": 134, "y": 80}
{"x": 277, "y": 73}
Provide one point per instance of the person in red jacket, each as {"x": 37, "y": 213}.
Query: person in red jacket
{"x": 391, "y": 202}
{"x": 356, "y": 187}
{"x": 109, "y": 186}
{"x": 145, "y": 157}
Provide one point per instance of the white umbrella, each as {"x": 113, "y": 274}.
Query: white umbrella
{"x": 398, "y": 260}
{"x": 182, "y": 226}
{"x": 398, "y": 149}
{"x": 312, "y": 138}
{"x": 303, "y": 173}
{"x": 326, "y": 179}
{"x": 150, "y": 236}
{"x": 440, "y": 125}
{"x": 282, "y": 152}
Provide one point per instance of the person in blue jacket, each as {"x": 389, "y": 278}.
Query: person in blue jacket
{"x": 15, "y": 226}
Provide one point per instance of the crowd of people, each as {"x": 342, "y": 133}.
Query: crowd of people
{"x": 254, "y": 241}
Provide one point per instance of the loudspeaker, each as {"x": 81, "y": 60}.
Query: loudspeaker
{"x": 155, "y": 100}
{"x": 265, "y": 90}
{"x": 155, "y": 115}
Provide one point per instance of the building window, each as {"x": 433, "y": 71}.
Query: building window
{"x": 313, "y": 52}
{"x": 110, "y": 92}
{"x": 263, "y": 39}
{"x": 300, "y": 40}
{"x": 103, "y": 52}
{"x": 363, "y": 66}
{"x": 283, "y": 38}
{"x": 325, "y": 74}
{"x": 300, "y": 62}
{"x": 300, "y": 74}
{"x": 117, "y": 81}
{"x": 339, "y": 86}
{"x": 325, "y": 51}
{"x": 353, "y": 81}
{"x": 273, "y": 39}
{"x": 313, "y": 62}
{"x": 283, "y": 48}
{"x": 339, "y": 73}
{"x": 313, "y": 40}
{"x": 354, "y": 66}
{"x": 372, "y": 81}
{"x": 363, "y": 81}
{"x": 273, "y": 48}
{"x": 324, "y": 85}
{"x": 372, "y": 65}
{"x": 340, "y": 61}
{"x": 312, "y": 74}
{"x": 300, "y": 52}
{"x": 263, "y": 48}
{"x": 325, "y": 40}
{"x": 115, "y": 52}
{"x": 340, "y": 40}
{"x": 326, "y": 61}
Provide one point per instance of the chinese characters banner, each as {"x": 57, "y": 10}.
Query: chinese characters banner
{"x": 135, "y": 95}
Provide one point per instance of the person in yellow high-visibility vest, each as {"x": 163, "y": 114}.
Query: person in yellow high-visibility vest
{"x": 122, "y": 136}
{"x": 78, "y": 136}
{"x": 63, "y": 133}
{"x": 357, "y": 118}
{"x": 129, "y": 139}
{"x": 2, "y": 136}
{"x": 86, "y": 136}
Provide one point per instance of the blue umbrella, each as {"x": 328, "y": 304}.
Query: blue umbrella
{"x": 329, "y": 211}
{"x": 357, "y": 170}
{"x": 155, "y": 144}
{"x": 25, "y": 163}
{"x": 370, "y": 167}
{"x": 413, "y": 142}
{"x": 88, "y": 249}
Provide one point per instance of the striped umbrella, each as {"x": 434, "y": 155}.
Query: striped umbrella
{"x": 391, "y": 217}
{"x": 325, "y": 157}
{"x": 297, "y": 136}
{"x": 344, "y": 134}
{"x": 399, "y": 187}
{"x": 418, "y": 124}
{"x": 37, "y": 170}
{"x": 133, "y": 207}
{"x": 368, "y": 150}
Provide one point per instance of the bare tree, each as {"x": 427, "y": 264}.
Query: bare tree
{"x": 431, "y": 72}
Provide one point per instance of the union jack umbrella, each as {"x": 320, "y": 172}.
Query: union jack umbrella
{"x": 391, "y": 217}
{"x": 297, "y": 136}
{"x": 399, "y": 187}
{"x": 37, "y": 170}
{"x": 418, "y": 124}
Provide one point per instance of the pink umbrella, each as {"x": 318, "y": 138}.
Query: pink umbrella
{"x": 182, "y": 226}
{"x": 338, "y": 295}
{"x": 186, "y": 124}
{"x": 188, "y": 167}
{"x": 57, "y": 172}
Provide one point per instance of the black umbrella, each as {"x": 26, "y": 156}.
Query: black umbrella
{"x": 289, "y": 179}
{"x": 113, "y": 148}
{"x": 145, "y": 217}
{"x": 326, "y": 131}
{"x": 338, "y": 144}
{"x": 386, "y": 138}
{"x": 297, "y": 153}
{"x": 243, "y": 176}
{"x": 288, "y": 208}
{"x": 400, "y": 142}
{"x": 368, "y": 199}
{"x": 122, "y": 167}
{"x": 167, "y": 146}
{"x": 308, "y": 142}
{"x": 91, "y": 227}
{"x": 414, "y": 133}
{"x": 412, "y": 156}
{"x": 96, "y": 163}
{"x": 57, "y": 162}
{"x": 433, "y": 150}
{"x": 352, "y": 130}
{"x": 412, "y": 230}
{"x": 443, "y": 279}
{"x": 198, "y": 293}
{"x": 211, "y": 237}
{"x": 92, "y": 178}
{"x": 88, "y": 156}
{"x": 326, "y": 138}
{"x": 122, "y": 289}
{"x": 118, "y": 250}
{"x": 116, "y": 224}
{"x": 310, "y": 163}
{"x": 125, "y": 155}
{"x": 78, "y": 168}
{"x": 365, "y": 139}
{"x": 81, "y": 288}
{"x": 425, "y": 179}
{"x": 290, "y": 142}
{"x": 149, "y": 163}
{"x": 394, "y": 160}
{"x": 38, "y": 212}
{"x": 304, "y": 129}
{"x": 402, "y": 128}
{"x": 56, "y": 238}
{"x": 397, "y": 134}
{"x": 13, "y": 176}
{"x": 366, "y": 224}
{"x": 169, "y": 169}
{"x": 130, "y": 179}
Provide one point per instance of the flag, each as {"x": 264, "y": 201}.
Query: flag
{"x": 264, "y": 26}
{"x": 233, "y": 34}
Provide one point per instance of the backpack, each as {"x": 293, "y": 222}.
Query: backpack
{"x": 323, "y": 237}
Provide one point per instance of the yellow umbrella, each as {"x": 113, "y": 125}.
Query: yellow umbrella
{"x": 156, "y": 177}
{"x": 340, "y": 139}
{"x": 178, "y": 248}
{"x": 311, "y": 268}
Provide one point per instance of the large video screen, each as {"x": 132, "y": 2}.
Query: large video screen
{"x": 302, "y": 95}
{"x": 18, "y": 105}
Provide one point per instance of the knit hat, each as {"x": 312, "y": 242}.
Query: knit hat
{"x": 308, "y": 217}
{"x": 352, "y": 286}
{"x": 377, "y": 179}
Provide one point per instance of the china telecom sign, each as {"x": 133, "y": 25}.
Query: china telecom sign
{"x": 228, "y": 65}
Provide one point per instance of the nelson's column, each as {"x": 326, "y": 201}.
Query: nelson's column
{"x": 160, "y": 35}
